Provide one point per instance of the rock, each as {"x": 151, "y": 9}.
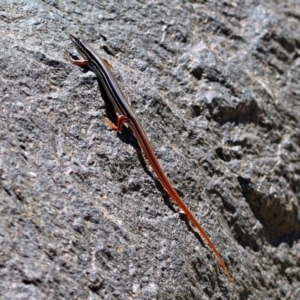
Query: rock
{"x": 216, "y": 87}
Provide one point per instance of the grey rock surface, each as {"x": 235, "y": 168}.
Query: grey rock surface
{"x": 216, "y": 86}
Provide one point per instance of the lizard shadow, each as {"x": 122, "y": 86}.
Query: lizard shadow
{"x": 127, "y": 136}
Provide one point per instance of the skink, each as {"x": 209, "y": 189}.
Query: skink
{"x": 126, "y": 115}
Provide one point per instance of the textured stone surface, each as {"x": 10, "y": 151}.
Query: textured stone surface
{"x": 216, "y": 86}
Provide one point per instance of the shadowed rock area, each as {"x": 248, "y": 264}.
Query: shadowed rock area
{"x": 216, "y": 87}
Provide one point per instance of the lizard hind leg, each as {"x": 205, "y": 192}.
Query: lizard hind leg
{"x": 121, "y": 120}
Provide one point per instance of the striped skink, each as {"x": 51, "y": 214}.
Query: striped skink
{"x": 126, "y": 115}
